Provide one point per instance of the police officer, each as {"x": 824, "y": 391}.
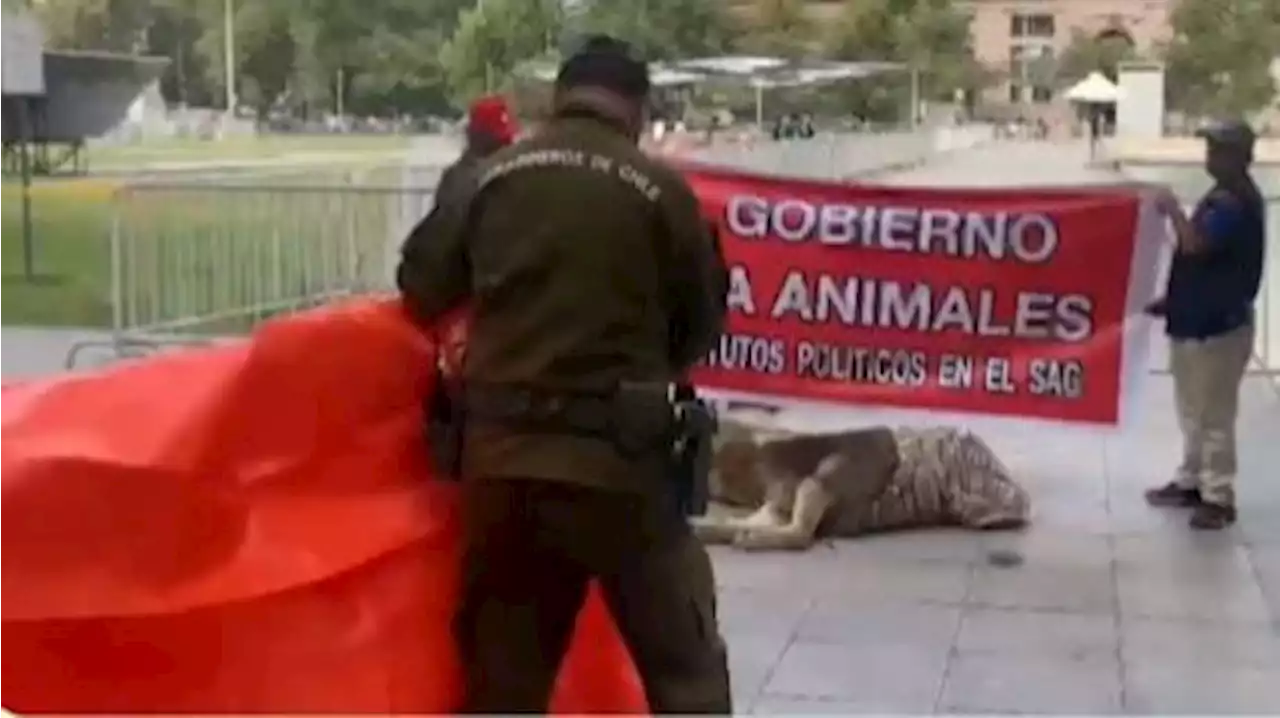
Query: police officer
{"x": 594, "y": 284}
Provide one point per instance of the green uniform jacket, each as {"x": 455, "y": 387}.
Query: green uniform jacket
{"x": 586, "y": 263}
{"x": 456, "y": 177}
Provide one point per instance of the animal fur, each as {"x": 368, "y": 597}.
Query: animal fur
{"x": 799, "y": 487}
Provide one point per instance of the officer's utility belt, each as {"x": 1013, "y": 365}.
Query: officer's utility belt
{"x": 636, "y": 418}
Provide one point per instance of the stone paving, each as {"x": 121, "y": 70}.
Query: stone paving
{"x": 31, "y": 351}
{"x": 1117, "y": 608}
{"x": 846, "y": 155}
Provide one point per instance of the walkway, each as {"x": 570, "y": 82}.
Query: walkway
{"x": 1117, "y": 608}
{"x": 32, "y": 351}
{"x": 845, "y": 155}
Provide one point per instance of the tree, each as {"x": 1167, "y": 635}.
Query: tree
{"x": 174, "y": 33}
{"x": 779, "y": 28}
{"x": 375, "y": 55}
{"x": 934, "y": 38}
{"x": 1092, "y": 53}
{"x": 659, "y": 29}
{"x": 492, "y": 39}
{"x": 400, "y": 71}
{"x": 168, "y": 28}
{"x": 1218, "y": 61}
{"x": 929, "y": 37}
{"x": 105, "y": 25}
{"x": 265, "y": 51}
{"x": 398, "y": 60}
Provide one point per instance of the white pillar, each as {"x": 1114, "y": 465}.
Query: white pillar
{"x": 229, "y": 52}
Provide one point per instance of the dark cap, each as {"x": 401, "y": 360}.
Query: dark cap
{"x": 1230, "y": 133}
{"x": 607, "y": 63}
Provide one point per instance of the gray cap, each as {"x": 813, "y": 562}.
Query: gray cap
{"x": 1232, "y": 133}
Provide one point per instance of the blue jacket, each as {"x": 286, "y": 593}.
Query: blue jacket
{"x": 1212, "y": 292}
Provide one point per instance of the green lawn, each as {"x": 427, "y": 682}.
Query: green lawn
{"x": 197, "y": 254}
{"x": 70, "y": 229}
{"x": 250, "y": 147}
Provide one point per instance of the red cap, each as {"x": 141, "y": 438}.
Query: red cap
{"x": 491, "y": 116}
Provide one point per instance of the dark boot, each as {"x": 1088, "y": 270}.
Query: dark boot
{"x": 1213, "y": 517}
{"x": 1171, "y": 494}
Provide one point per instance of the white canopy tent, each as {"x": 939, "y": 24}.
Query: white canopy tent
{"x": 766, "y": 73}
{"x": 660, "y": 75}
{"x": 741, "y": 65}
{"x": 1095, "y": 89}
{"x": 1094, "y": 92}
{"x": 758, "y": 72}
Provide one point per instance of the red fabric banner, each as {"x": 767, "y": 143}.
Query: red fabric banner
{"x": 247, "y": 529}
{"x": 1008, "y": 303}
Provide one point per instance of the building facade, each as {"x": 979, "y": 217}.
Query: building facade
{"x": 1018, "y": 38}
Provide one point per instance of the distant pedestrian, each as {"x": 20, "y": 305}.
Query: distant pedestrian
{"x": 1095, "y": 129}
{"x": 804, "y": 127}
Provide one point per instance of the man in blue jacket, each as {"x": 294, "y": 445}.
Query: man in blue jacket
{"x": 1209, "y": 317}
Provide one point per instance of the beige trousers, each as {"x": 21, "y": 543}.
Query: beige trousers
{"x": 1206, "y": 385}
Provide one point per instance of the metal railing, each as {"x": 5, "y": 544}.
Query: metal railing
{"x": 1267, "y": 342}
{"x": 1266, "y": 353}
{"x": 196, "y": 261}
{"x": 193, "y": 261}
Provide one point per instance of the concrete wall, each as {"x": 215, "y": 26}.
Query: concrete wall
{"x": 1179, "y": 150}
{"x": 1140, "y": 110}
{"x": 838, "y": 156}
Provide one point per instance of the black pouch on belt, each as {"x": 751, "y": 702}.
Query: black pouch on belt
{"x": 643, "y": 419}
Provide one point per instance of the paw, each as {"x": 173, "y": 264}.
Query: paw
{"x": 711, "y": 531}
{"x": 752, "y": 541}
{"x": 768, "y": 541}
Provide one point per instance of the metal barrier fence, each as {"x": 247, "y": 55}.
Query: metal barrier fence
{"x": 1266, "y": 354}
{"x": 196, "y": 261}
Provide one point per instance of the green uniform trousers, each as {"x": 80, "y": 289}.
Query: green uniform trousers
{"x": 531, "y": 549}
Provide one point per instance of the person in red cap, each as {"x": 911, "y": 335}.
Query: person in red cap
{"x": 490, "y": 127}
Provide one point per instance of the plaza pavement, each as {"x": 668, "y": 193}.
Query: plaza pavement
{"x": 1116, "y": 608}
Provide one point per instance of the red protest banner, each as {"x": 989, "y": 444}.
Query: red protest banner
{"x": 1001, "y": 302}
